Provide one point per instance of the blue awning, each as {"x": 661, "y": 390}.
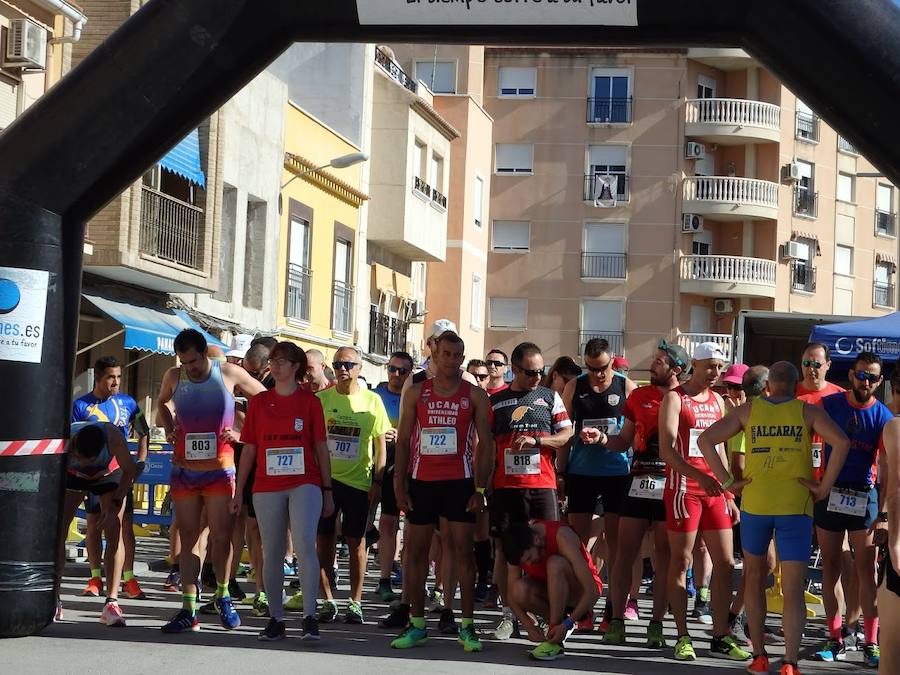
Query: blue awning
{"x": 151, "y": 329}
{"x": 880, "y": 335}
{"x": 184, "y": 159}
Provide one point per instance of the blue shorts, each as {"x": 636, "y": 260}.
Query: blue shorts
{"x": 793, "y": 535}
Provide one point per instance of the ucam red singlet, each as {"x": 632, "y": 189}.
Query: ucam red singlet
{"x": 443, "y": 439}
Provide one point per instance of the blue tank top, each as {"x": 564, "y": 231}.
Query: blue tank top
{"x": 202, "y": 411}
{"x": 102, "y": 463}
{"x": 863, "y": 427}
{"x": 606, "y": 411}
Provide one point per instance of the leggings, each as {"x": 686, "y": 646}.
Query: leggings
{"x": 301, "y": 506}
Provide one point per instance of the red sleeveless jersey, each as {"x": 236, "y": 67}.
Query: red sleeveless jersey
{"x": 443, "y": 439}
{"x": 538, "y": 570}
{"x": 695, "y": 416}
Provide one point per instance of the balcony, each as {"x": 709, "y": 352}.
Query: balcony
{"x": 846, "y": 146}
{"x": 883, "y": 295}
{"x": 616, "y": 340}
{"x": 438, "y": 198}
{"x": 727, "y": 276}
{"x": 732, "y": 121}
{"x": 691, "y": 340}
{"x": 885, "y": 223}
{"x": 342, "y": 308}
{"x": 393, "y": 69}
{"x": 803, "y": 277}
{"x": 731, "y": 198}
{"x": 171, "y": 229}
{"x": 595, "y": 265}
{"x": 806, "y": 127}
{"x": 609, "y": 110}
{"x": 386, "y": 334}
{"x": 299, "y": 285}
{"x": 806, "y": 202}
{"x": 590, "y": 187}
{"x": 419, "y": 185}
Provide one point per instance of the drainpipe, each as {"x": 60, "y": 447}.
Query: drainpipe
{"x": 70, "y": 12}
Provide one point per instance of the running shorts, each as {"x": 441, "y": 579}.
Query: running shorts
{"x": 583, "y": 492}
{"x": 840, "y": 522}
{"x": 434, "y": 499}
{"x": 186, "y": 483}
{"x": 519, "y": 505}
{"x": 793, "y": 535}
{"x": 353, "y": 506}
{"x": 388, "y": 496}
{"x": 94, "y": 486}
{"x": 686, "y": 512}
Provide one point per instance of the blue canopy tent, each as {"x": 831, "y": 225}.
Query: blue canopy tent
{"x": 846, "y": 340}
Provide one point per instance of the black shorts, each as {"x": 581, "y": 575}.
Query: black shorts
{"x": 353, "y": 505}
{"x": 98, "y": 486}
{"x": 583, "y": 492}
{"x": 388, "y": 496}
{"x": 840, "y": 522}
{"x": 92, "y": 503}
{"x": 519, "y": 505}
{"x": 434, "y": 499}
{"x": 247, "y": 496}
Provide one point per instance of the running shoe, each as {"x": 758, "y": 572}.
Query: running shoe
{"x": 328, "y": 611}
{"x": 396, "y": 573}
{"x": 437, "y": 602}
{"x": 684, "y": 649}
{"x": 58, "y": 614}
{"x": 209, "y": 609}
{"x": 871, "y": 655}
{"x": 273, "y": 631}
{"x": 631, "y": 611}
{"x": 182, "y": 622}
{"x": 702, "y": 611}
{"x": 295, "y": 602}
{"x": 131, "y": 589}
{"x": 492, "y": 601}
{"x": 759, "y": 664}
{"x": 832, "y": 651}
{"x": 655, "y": 637}
{"x": 398, "y": 618}
{"x": 260, "y": 605}
{"x": 94, "y": 587}
{"x": 691, "y": 589}
{"x": 468, "y": 638}
{"x": 112, "y": 615}
{"x": 507, "y": 628}
{"x": 726, "y": 647}
{"x": 411, "y": 637}
{"x": 384, "y": 591}
{"x": 447, "y": 624}
{"x": 235, "y": 591}
{"x": 481, "y": 591}
{"x": 310, "y": 629}
{"x": 228, "y": 614}
{"x": 289, "y": 568}
{"x": 789, "y": 669}
{"x": 354, "y": 613}
{"x": 586, "y": 625}
{"x": 546, "y": 651}
{"x": 615, "y": 633}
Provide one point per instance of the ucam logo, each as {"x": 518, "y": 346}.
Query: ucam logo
{"x": 10, "y": 296}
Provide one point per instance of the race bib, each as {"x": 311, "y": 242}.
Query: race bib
{"x": 693, "y": 448}
{"x": 817, "y": 455}
{"x": 522, "y": 463}
{"x": 608, "y": 425}
{"x": 647, "y": 487}
{"x": 201, "y": 446}
{"x": 438, "y": 441}
{"x": 849, "y": 502}
{"x": 345, "y": 445}
{"x": 285, "y": 462}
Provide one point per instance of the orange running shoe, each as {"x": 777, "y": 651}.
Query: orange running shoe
{"x": 789, "y": 669}
{"x": 132, "y": 590}
{"x": 94, "y": 587}
{"x": 759, "y": 664}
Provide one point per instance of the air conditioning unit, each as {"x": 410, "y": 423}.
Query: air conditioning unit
{"x": 793, "y": 250}
{"x": 723, "y": 306}
{"x": 691, "y": 222}
{"x": 694, "y": 150}
{"x": 26, "y": 45}
{"x": 790, "y": 172}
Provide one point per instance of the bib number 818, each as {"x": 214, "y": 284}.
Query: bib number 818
{"x": 521, "y": 460}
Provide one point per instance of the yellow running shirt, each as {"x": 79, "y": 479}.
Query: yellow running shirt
{"x": 778, "y": 452}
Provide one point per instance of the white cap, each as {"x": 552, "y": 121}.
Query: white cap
{"x": 708, "y": 350}
{"x": 240, "y": 343}
{"x": 236, "y": 353}
{"x": 441, "y": 326}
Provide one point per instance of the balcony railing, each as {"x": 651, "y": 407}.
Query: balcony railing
{"x": 803, "y": 277}
{"x": 729, "y": 269}
{"x": 736, "y": 111}
{"x": 691, "y": 340}
{"x": 299, "y": 286}
{"x": 731, "y": 189}
{"x": 807, "y": 127}
{"x": 393, "y": 69}
{"x": 170, "y": 228}
{"x": 883, "y": 295}
{"x": 806, "y": 202}
{"x": 386, "y": 334}
{"x": 609, "y": 110}
{"x": 438, "y": 198}
{"x": 885, "y": 223}
{"x": 342, "y": 308}
{"x": 616, "y": 340}
{"x": 422, "y": 186}
{"x": 846, "y": 146}
{"x": 590, "y": 187}
{"x": 603, "y": 265}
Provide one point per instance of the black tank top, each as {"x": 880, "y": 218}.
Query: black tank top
{"x": 589, "y": 405}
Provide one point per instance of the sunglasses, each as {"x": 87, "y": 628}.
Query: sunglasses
{"x": 534, "y": 373}
{"x": 667, "y": 348}
{"x": 397, "y": 369}
{"x": 863, "y": 376}
{"x": 497, "y": 364}
{"x": 809, "y": 363}
{"x": 344, "y": 365}
{"x": 600, "y": 369}
{"x": 481, "y": 377}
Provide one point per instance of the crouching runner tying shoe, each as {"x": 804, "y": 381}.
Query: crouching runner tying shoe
{"x": 561, "y": 583}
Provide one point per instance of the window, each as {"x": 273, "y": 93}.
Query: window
{"x": 608, "y": 160}
{"x": 255, "y": 254}
{"x": 885, "y": 218}
{"x": 706, "y": 87}
{"x": 342, "y": 307}
{"x": 511, "y": 236}
{"x": 807, "y": 123}
{"x": 804, "y": 190}
{"x": 610, "y": 100}
{"x": 436, "y": 172}
{"x": 479, "y": 201}
{"x": 803, "y": 274}
{"x": 439, "y": 76}
{"x": 884, "y": 286}
{"x": 420, "y": 160}
{"x": 514, "y": 158}
{"x": 508, "y": 313}
{"x": 603, "y": 319}
{"x": 299, "y": 274}
{"x": 603, "y": 254}
{"x": 843, "y": 260}
{"x": 846, "y": 187}
{"x": 517, "y": 81}
{"x": 477, "y": 306}
{"x": 227, "y": 244}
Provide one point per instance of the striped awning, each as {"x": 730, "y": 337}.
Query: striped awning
{"x": 885, "y": 257}
{"x": 800, "y": 234}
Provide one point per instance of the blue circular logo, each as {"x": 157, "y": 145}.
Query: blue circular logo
{"x": 9, "y": 296}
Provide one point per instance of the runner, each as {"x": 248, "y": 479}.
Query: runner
{"x": 440, "y": 475}
{"x": 563, "y": 370}
{"x": 530, "y": 425}
{"x": 202, "y": 390}
{"x": 561, "y": 583}
{"x": 99, "y": 464}
{"x": 889, "y": 592}
{"x": 684, "y": 413}
{"x": 479, "y": 370}
{"x": 316, "y": 380}
{"x": 483, "y": 549}
{"x": 852, "y": 506}
{"x": 357, "y": 424}
{"x": 106, "y": 403}
{"x": 284, "y": 436}
{"x": 777, "y": 498}
{"x": 497, "y": 362}
{"x": 642, "y": 507}
{"x": 590, "y": 471}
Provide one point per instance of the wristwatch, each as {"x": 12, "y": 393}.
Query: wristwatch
{"x": 537, "y": 441}
{"x": 883, "y": 517}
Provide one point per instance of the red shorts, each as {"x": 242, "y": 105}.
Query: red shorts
{"x": 186, "y": 483}
{"x": 687, "y": 512}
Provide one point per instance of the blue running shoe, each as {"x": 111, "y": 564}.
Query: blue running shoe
{"x": 182, "y": 622}
{"x": 832, "y": 651}
{"x": 228, "y": 614}
{"x": 691, "y": 591}
{"x": 872, "y": 655}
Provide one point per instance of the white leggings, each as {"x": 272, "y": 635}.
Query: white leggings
{"x": 302, "y": 507}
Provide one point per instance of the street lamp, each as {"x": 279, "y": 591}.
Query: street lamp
{"x": 341, "y": 162}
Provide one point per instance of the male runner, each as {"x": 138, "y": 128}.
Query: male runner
{"x": 357, "y": 426}
{"x": 561, "y": 583}
{"x": 590, "y": 471}
{"x": 479, "y": 370}
{"x": 777, "y": 498}
{"x": 315, "y": 378}
{"x": 815, "y": 362}
{"x": 530, "y": 425}
{"x": 852, "y": 506}
{"x": 889, "y": 592}
{"x": 642, "y": 506}
{"x": 202, "y": 391}
{"x": 106, "y": 403}
{"x": 441, "y": 474}
{"x": 683, "y": 414}
{"x": 497, "y": 362}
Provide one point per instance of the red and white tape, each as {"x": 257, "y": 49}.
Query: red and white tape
{"x": 52, "y": 446}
